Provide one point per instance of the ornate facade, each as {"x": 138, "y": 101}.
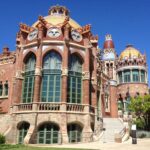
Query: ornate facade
{"x": 128, "y": 77}
{"x": 57, "y": 85}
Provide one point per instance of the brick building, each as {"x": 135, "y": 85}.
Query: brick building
{"x": 57, "y": 85}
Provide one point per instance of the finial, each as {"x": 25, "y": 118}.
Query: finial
{"x": 108, "y": 37}
{"x": 58, "y": 10}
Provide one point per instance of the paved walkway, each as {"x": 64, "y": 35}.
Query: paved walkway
{"x": 142, "y": 144}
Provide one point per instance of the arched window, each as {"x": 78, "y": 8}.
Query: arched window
{"x": 51, "y": 78}
{"x": 48, "y": 134}
{"x": 75, "y": 80}
{"x": 135, "y": 73}
{"x": 1, "y": 89}
{"x": 23, "y": 129}
{"x": 28, "y": 83}
{"x": 74, "y": 133}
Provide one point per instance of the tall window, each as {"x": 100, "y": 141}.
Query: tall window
{"x": 74, "y": 133}
{"x": 28, "y": 83}
{"x": 1, "y": 89}
{"x": 127, "y": 76}
{"x": 48, "y": 134}
{"x": 142, "y": 76}
{"x": 75, "y": 80}
{"x": 51, "y": 79}
{"x": 120, "y": 77}
{"x": 135, "y": 73}
{"x": 6, "y": 89}
{"x": 23, "y": 129}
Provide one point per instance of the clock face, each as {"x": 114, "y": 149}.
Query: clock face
{"x": 54, "y": 32}
{"x": 76, "y": 36}
{"x": 32, "y": 35}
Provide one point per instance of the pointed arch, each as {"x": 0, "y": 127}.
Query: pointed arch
{"x": 28, "y": 82}
{"x": 75, "y": 79}
{"x": 51, "y": 77}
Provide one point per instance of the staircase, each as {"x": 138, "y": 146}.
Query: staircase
{"x": 112, "y": 126}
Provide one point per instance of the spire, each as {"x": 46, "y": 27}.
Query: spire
{"x": 108, "y": 44}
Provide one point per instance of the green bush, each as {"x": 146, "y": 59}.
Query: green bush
{"x": 143, "y": 135}
{"x": 2, "y": 139}
{"x": 140, "y": 123}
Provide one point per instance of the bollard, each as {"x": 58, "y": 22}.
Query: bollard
{"x": 133, "y": 132}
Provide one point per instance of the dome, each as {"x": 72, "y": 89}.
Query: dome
{"x": 57, "y": 15}
{"x": 130, "y": 52}
{"x": 108, "y": 44}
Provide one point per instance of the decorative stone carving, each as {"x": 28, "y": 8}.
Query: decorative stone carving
{"x": 94, "y": 81}
{"x": 64, "y": 72}
{"x": 38, "y": 71}
{"x": 2, "y": 72}
{"x": 19, "y": 74}
{"x": 86, "y": 75}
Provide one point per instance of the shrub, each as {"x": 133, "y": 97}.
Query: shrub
{"x": 2, "y": 139}
{"x": 140, "y": 123}
{"x": 143, "y": 135}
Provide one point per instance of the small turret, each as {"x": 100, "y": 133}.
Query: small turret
{"x": 108, "y": 44}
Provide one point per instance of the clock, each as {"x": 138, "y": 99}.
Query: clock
{"x": 76, "y": 36}
{"x": 32, "y": 35}
{"x": 54, "y": 32}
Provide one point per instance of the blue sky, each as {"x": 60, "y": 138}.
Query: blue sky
{"x": 127, "y": 20}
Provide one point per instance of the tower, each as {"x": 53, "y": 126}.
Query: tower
{"x": 109, "y": 68}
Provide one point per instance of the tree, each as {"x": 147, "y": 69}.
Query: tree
{"x": 140, "y": 107}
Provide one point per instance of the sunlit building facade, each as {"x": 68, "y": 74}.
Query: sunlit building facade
{"x": 57, "y": 85}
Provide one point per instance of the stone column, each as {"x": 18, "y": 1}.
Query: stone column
{"x": 113, "y": 100}
{"x": 145, "y": 78}
{"x": 65, "y": 65}
{"x": 18, "y": 78}
{"x": 131, "y": 75}
{"x": 94, "y": 77}
{"x": 38, "y": 68}
{"x": 64, "y": 87}
{"x": 140, "y": 75}
{"x": 122, "y": 76}
{"x": 86, "y": 82}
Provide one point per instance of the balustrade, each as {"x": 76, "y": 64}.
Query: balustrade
{"x": 45, "y": 106}
{"x": 25, "y": 107}
{"x": 75, "y": 107}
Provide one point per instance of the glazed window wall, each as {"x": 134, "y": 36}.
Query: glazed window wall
{"x": 28, "y": 83}
{"x": 120, "y": 77}
{"x": 75, "y": 80}
{"x": 48, "y": 134}
{"x": 134, "y": 75}
{"x": 51, "y": 78}
{"x": 74, "y": 133}
{"x": 127, "y": 76}
{"x": 23, "y": 129}
{"x": 142, "y": 76}
{"x": 1, "y": 89}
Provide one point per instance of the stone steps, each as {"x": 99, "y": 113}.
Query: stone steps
{"x": 112, "y": 126}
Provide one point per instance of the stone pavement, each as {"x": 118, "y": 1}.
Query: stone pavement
{"x": 142, "y": 144}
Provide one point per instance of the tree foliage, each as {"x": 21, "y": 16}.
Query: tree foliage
{"x": 140, "y": 107}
